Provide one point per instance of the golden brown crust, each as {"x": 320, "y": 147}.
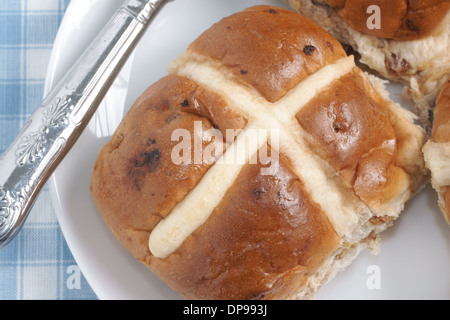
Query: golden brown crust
{"x": 259, "y": 243}
{"x": 135, "y": 183}
{"x": 277, "y": 56}
{"x": 402, "y": 20}
{"x": 352, "y": 130}
{"x": 422, "y": 18}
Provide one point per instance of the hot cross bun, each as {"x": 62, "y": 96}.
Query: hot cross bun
{"x": 320, "y": 164}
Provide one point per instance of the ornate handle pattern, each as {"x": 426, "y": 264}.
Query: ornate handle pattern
{"x": 56, "y": 125}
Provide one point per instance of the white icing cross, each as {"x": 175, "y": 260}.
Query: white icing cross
{"x": 279, "y": 117}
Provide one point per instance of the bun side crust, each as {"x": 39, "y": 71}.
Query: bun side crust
{"x": 437, "y": 151}
{"x": 441, "y": 122}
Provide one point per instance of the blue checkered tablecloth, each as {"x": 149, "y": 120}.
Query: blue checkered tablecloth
{"x": 37, "y": 264}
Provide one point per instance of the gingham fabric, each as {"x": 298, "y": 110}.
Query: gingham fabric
{"x": 37, "y": 264}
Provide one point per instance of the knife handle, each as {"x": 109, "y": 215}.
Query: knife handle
{"x": 57, "y": 123}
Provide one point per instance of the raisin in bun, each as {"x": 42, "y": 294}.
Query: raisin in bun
{"x": 411, "y": 43}
{"x": 437, "y": 151}
{"x": 241, "y": 227}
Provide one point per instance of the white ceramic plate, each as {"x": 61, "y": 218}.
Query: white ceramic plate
{"x": 414, "y": 262}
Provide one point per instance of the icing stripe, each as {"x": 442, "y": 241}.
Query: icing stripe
{"x": 262, "y": 115}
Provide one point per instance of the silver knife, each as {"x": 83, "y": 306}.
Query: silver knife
{"x": 63, "y": 115}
